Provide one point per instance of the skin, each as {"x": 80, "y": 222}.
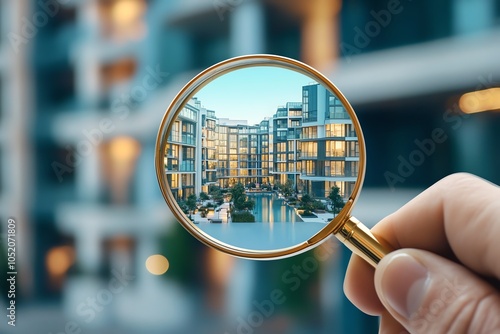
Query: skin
{"x": 452, "y": 233}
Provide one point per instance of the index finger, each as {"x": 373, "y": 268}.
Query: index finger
{"x": 458, "y": 217}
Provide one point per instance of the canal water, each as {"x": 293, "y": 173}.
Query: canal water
{"x": 269, "y": 208}
{"x": 276, "y": 227}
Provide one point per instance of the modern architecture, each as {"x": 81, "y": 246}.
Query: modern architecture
{"x": 311, "y": 143}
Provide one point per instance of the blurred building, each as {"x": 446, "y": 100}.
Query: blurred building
{"x": 83, "y": 90}
{"x": 16, "y": 119}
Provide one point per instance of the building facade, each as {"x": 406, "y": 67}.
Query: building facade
{"x": 329, "y": 148}
{"x": 311, "y": 143}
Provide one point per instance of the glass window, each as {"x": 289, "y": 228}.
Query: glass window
{"x": 335, "y": 108}
{"x": 309, "y": 149}
{"x": 310, "y": 132}
{"x": 335, "y": 148}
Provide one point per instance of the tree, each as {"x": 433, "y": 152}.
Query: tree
{"x": 204, "y": 196}
{"x": 218, "y": 197}
{"x": 183, "y": 206}
{"x": 240, "y": 199}
{"x": 307, "y": 202}
{"x": 287, "y": 188}
{"x": 191, "y": 202}
{"x": 336, "y": 200}
{"x": 213, "y": 189}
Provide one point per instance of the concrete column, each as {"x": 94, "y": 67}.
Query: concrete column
{"x": 85, "y": 58}
{"x": 247, "y": 31}
{"x": 88, "y": 177}
{"x": 473, "y": 16}
{"x": 320, "y": 33}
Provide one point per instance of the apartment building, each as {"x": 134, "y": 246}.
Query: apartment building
{"x": 329, "y": 148}
{"x": 311, "y": 143}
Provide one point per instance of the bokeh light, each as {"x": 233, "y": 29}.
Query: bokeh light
{"x": 59, "y": 259}
{"x": 157, "y": 264}
{"x": 479, "y": 101}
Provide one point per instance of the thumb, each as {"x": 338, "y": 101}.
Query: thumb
{"x": 430, "y": 294}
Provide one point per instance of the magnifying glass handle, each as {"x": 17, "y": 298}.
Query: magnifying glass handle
{"x": 358, "y": 238}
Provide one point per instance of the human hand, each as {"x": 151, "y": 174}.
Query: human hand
{"x": 444, "y": 277}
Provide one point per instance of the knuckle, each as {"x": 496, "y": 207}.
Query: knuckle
{"x": 469, "y": 314}
{"x": 484, "y": 316}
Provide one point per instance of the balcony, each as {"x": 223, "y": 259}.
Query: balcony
{"x": 337, "y": 115}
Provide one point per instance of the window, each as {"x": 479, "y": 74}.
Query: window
{"x": 173, "y": 180}
{"x": 353, "y": 149}
{"x": 187, "y": 180}
{"x": 281, "y": 135}
{"x": 341, "y": 168}
{"x": 334, "y": 168}
{"x": 335, "y": 108}
{"x": 188, "y": 133}
{"x": 309, "y": 103}
{"x": 280, "y": 157}
{"x": 335, "y": 148}
{"x": 210, "y": 124}
{"x": 189, "y": 114}
{"x": 309, "y": 132}
{"x": 172, "y": 150}
{"x": 175, "y": 133}
{"x": 187, "y": 166}
{"x": 309, "y": 167}
{"x": 281, "y": 123}
{"x": 295, "y": 112}
{"x": 188, "y": 153}
{"x": 211, "y": 154}
{"x": 309, "y": 149}
{"x": 281, "y": 167}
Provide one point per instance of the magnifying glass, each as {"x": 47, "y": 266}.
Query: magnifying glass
{"x": 262, "y": 157}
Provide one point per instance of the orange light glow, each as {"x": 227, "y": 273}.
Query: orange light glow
{"x": 124, "y": 149}
{"x": 127, "y": 12}
{"x": 157, "y": 264}
{"x": 59, "y": 259}
{"x": 482, "y": 100}
{"x": 219, "y": 266}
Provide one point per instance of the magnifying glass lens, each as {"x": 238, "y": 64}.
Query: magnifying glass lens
{"x": 261, "y": 157}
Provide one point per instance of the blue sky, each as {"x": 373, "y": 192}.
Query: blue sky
{"x": 253, "y": 93}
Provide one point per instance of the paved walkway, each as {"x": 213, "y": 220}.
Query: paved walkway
{"x": 320, "y": 218}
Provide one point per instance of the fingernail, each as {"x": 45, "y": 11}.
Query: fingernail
{"x": 403, "y": 284}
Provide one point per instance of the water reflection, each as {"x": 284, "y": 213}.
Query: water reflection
{"x": 277, "y": 226}
{"x": 269, "y": 208}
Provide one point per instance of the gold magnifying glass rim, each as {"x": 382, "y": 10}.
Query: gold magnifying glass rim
{"x": 183, "y": 97}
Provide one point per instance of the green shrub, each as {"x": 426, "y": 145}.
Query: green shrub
{"x": 317, "y": 205}
{"x": 308, "y": 213}
{"x": 242, "y": 217}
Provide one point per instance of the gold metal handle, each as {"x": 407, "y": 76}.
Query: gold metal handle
{"x": 358, "y": 238}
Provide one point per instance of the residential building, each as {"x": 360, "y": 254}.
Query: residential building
{"x": 313, "y": 143}
{"x": 329, "y": 148}
{"x": 182, "y": 157}
{"x": 287, "y": 127}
